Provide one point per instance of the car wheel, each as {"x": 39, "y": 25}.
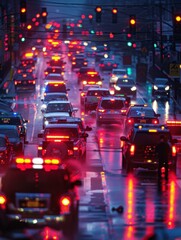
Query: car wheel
{"x": 129, "y": 167}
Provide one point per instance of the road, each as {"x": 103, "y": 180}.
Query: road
{"x": 145, "y": 207}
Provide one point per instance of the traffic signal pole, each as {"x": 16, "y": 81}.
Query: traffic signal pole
{"x": 161, "y": 35}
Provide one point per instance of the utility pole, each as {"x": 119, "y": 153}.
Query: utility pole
{"x": 161, "y": 34}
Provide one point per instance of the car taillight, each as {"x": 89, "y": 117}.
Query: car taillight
{"x": 46, "y": 73}
{"x": 132, "y": 150}
{"x": 53, "y": 161}
{"x": 114, "y": 65}
{"x": 155, "y": 121}
{"x": 174, "y": 151}
{"x": 3, "y": 201}
{"x": 101, "y": 110}
{"x": 130, "y": 121}
{"x": 65, "y": 203}
{"x": 82, "y": 94}
{"x": 75, "y": 148}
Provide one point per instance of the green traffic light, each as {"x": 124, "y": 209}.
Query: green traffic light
{"x": 23, "y": 39}
{"x": 155, "y": 45}
{"x": 92, "y": 32}
{"x": 129, "y": 71}
{"x": 129, "y": 44}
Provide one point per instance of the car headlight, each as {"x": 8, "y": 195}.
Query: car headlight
{"x": 155, "y": 87}
{"x": 46, "y": 122}
{"x": 117, "y": 87}
{"x": 43, "y": 107}
{"x": 133, "y": 88}
{"x": 167, "y": 88}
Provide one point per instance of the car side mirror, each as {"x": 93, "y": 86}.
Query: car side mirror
{"x": 123, "y": 138}
{"x": 84, "y": 135}
{"x": 157, "y": 115}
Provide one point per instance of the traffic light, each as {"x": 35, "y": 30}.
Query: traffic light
{"x": 44, "y": 15}
{"x": 132, "y": 24}
{"x": 114, "y": 15}
{"x": 23, "y": 11}
{"x": 177, "y": 27}
{"x": 98, "y": 10}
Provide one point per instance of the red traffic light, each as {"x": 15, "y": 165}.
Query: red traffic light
{"x": 23, "y": 10}
{"x": 29, "y": 26}
{"x": 98, "y": 9}
{"x": 44, "y": 14}
{"x": 90, "y": 16}
{"x": 132, "y": 21}
{"x": 114, "y": 11}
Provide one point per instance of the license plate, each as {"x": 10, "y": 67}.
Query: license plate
{"x": 142, "y": 121}
{"x": 33, "y": 204}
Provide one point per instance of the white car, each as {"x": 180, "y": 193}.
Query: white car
{"x": 92, "y": 97}
{"x": 117, "y": 73}
{"x": 53, "y": 97}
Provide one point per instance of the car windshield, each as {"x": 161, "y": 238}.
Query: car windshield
{"x": 58, "y": 107}
{"x": 71, "y": 132}
{"x": 98, "y": 93}
{"x": 119, "y": 72}
{"x": 11, "y": 121}
{"x": 112, "y": 104}
{"x": 11, "y": 133}
{"x": 161, "y": 81}
{"x": 141, "y": 113}
{"x": 150, "y": 138}
{"x": 2, "y": 142}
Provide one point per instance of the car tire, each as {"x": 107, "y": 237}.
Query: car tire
{"x": 129, "y": 167}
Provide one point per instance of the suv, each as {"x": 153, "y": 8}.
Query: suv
{"x": 92, "y": 97}
{"x": 117, "y": 73}
{"x": 110, "y": 109}
{"x": 161, "y": 88}
{"x": 15, "y": 138}
{"x": 39, "y": 192}
{"x": 6, "y": 151}
{"x": 63, "y": 141}
{"x": 138, "y": 148}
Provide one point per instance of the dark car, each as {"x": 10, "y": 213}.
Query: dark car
{"x": 82, "y": 73}
{"x": 161, "y": 88}
{"x": 39, "y": 193}
{"x": 15, "y": 138}
{"x": 139, "y": 147}
{"x": 107, "y": 64}
{"x": 79, "y": 62}
{"x": 17, "y": 120}
{"x": 55, "y": 87}
{"x": 63, "y": 141}
{"x": 6, "y": 151}
{"x": 139, "y": 113}
{"x": 25, "y": 81}
{"x": 54, "y": 69}
{"x": 125, "y": 87}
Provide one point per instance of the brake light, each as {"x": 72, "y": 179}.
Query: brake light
{"x": 82, "y": 94}
{"x": 65, "y": 203}
{"x": 130, "y": 121}
{"x": 46, "y": 73}
{"x": 174, "y": 151}
{"x": 53, "y": 161}
{"x": 132, "y": 150}
{"x": 92, "y": 73}
{"x": 85, "y": 63}
{"x": 2, "y": 200}
{"x": 114, "y": 65}
{"x": 75, "y": 148}
{"x": 84, "y": 82}
{"x": 23, "y": 160}
{"x": 155, "y": 121}
{"x": 57, "y": 137}
{"x": 101, "y": 110}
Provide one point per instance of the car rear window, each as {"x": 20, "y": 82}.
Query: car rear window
{"x": 58, "y": 107}
{"x": 55, "y": 88}
{"x": 150, "y": 138}
{"x": 112, "y": 104}
{"x": 98, "y": 93}
{"x": 71, "y": 132}
{"x": 141, "y": 113}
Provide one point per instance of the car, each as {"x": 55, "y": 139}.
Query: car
{"x": 84, "y": 90}
{"x": 60, "y": 106}
{"x": 28, "y": 62}
{"x": 110, "y": 109}
{"x": 53, "y": 97}
{"x": 125, "y": 87}
{"x": 175, "y": 129}
{"x": 92, "y": 97}
{"x": 16, "y": 119}
{"x": 67, "y": 119}
{"x": 6, "y": 151}
{"x": 138, "y": 147}
{"x": 63, "y": 141}
{"x": 161, "y": 88}
{"x": 92, "y": 78}
{"x": 23, "y": 68}
{"x": 54, "y": 69}
{"x": 24, "y": 81}
{"x": 139, "y": 113}
{"x": 53, "y": 117}
{"x": 82, "y": 73}
{"x": 39, "y": 192}
{"x": 55, "y": 87}
{"x": 117, "y": 73}
{"x": 15, "y": 138}
{"x": 78, "y": 62}
{"x": 107, "y": 64}
{"x": 56, "y": 61}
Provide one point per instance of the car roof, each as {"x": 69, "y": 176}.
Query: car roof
{"x": 112, "y": 97}
{"x": 59, "y": 101}
{"x": 98, "y": 89}
{"x": 55, "y": 93}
